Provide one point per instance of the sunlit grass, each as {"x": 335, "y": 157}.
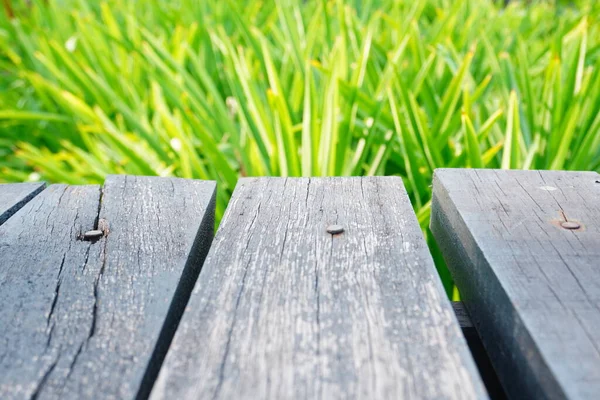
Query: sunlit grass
{"x": 222, "y": 89}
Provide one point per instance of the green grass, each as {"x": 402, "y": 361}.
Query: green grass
{"x": 222, "y": 89}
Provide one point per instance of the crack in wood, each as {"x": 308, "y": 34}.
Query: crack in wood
{"x": 312, "y": 315}
{"x": 40, "y": 386}
{"x": 231, "y": 329}
{"x": 52, "y": 282}
{"x": 56, "y": 292}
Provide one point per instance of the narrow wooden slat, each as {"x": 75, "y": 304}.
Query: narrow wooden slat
{"x": 482, "y": 360}
{"x": 531, "y": 286}
{"x": 89, "y": 319}
{"x": 283, "y": 309}
{"x": 13, "y": 196}
{"x": 462, "y": 315}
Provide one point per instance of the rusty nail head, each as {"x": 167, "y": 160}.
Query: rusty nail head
{"x": 335, "y": 229}
{"x": 570, "y": 225}
{"x": 93, "y": 234}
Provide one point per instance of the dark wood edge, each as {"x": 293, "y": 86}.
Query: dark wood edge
{"x": 16, "y": 207}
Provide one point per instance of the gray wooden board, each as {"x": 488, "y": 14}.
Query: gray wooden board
{"x": 282, "y": 309}
{"x": 83, "y": 319}
{"x": 462, "y": 315}
{"x": 532, "y": 288}
{"x": 13, "y": 196}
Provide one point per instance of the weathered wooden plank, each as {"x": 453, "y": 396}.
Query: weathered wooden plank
{"x": 484, "y": 365}
{"x": 88, "y": 319}
{"x": 283, "y": 309}
{"x": 531, "y": 286}
{"x": 13, "y": 196}
{"x": 462, "y": 315}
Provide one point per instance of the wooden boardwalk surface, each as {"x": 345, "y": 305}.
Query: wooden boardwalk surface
{"x": 312, "y": 288}
{"x": 524, "y": 249}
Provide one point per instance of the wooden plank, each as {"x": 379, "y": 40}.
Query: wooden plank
{"x": 13, "y": 196}
{"x": 462, "y": 315}
{"x": 482, "y": 360}
{"x": 531, "y": 286}
{"x": 82, "y": 319}
{"x": 284, "y": 309}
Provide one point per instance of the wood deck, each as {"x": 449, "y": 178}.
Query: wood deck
{"x": 312, "y": 288}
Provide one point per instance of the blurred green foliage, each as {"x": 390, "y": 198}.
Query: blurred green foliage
{"x": 220, "y": 89}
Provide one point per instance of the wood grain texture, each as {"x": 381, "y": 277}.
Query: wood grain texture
{"x": 532, "y": 288}
{"x": 284, "y": 310}
{"x": 13, "y": 196}
{"x": 85, "y": 319}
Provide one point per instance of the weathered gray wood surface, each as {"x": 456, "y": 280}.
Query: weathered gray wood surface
{"x": 93, "y": 319}
{"x": 13, "y": 196}
{"x": 532, "y": 287}
{"x": 283, "y": 309}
